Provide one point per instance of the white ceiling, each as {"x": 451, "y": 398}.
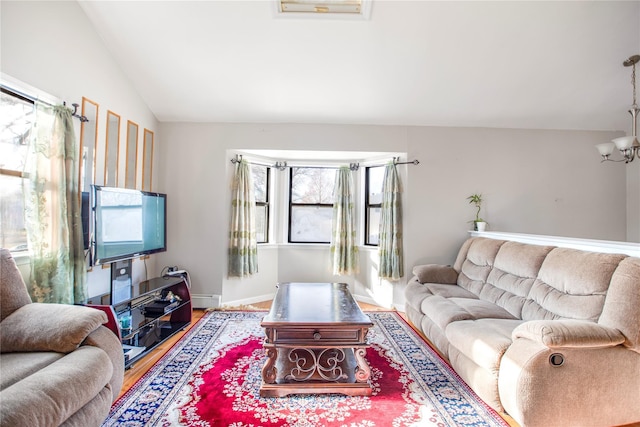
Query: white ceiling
{"x": 548, "y": 65}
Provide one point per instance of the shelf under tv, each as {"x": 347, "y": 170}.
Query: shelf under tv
{"x": 146, "y": 319}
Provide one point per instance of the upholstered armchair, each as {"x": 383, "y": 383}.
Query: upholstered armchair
{"x": 58, "y": 364}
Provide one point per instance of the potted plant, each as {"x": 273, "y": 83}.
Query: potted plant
{"x": 479, "y": 224}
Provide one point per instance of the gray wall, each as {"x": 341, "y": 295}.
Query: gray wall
{"x": 540, "y": 182}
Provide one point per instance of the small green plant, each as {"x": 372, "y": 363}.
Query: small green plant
{"x": 476, "y": 200}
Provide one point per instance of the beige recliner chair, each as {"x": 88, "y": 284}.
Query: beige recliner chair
{"x": 58, "y": 364}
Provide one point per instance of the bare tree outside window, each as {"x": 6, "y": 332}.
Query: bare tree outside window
{"x": 311, "y": 204}
{"x": 16, "y": 117}
{"x": 373, "y": 203}
{"x": 260, "y": 176}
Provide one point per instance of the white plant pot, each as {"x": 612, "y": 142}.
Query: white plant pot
{"x": 481, "y": 226}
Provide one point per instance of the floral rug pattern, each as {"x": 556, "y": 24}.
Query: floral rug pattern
{"x": 212, "y": 376}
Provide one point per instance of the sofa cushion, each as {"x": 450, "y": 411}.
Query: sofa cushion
{"x": 443, "y": 311}
{"x": 96, "y": 409}
{"x": 571, "y": 284}
{"x": 483, "y": 341}
{"x": 621, "y": 309}
{"x": 13, "y": 292}
{"x": 49, "y": 327}
{"x": 514, "y": 271}
{"x": 16, "y": 366}
{"x": 477, "y": 265}
{"x": 448, "y": 291}
{"x": 416, "y": 292}
{"x": 476, "y": 348}
{"x": 54, "y": 393}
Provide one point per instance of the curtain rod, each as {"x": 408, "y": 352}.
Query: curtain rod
{"x": 282, "y": 165}
{"x": 353, "y": 166}
{"x": 412, "y": 162}
{"x": 31, "y": 99}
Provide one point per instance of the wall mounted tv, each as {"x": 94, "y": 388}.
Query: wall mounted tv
{"x": 127, "y": 223}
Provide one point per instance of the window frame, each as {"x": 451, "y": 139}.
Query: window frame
{"x": 14, "y": 173}
{"x": 292, "y": 205}
{"x": 265, "y": 204}
{"x": 368, "y": 205}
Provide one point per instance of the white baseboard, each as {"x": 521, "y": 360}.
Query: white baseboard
{"x": 365, "y": 299}
{"x": 368, "y": 300}
{"x": 247, "y": 301}
{"x": 399, "y": 307}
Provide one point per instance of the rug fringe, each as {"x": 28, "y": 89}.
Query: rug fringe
{"x": 242, "y": 307}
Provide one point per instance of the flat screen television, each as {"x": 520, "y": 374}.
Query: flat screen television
{"x": 127, "y": 223}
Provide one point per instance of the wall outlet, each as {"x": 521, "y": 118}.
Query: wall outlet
{"x": 172, "y": 269}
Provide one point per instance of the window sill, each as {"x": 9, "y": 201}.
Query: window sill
{"x": 21, "y": 258}
{"x": 310, "y": 246}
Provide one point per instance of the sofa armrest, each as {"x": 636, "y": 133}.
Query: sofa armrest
{"x": 568, "y": 333}
{"x": 435, "y": 273}
{"x": 106, "y": 340}
{"x": 48, "y": 327}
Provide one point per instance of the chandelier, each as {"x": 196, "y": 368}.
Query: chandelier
{"x": 628, "y": 146}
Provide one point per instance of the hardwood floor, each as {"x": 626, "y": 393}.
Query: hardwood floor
{"x": 135, "y": 372}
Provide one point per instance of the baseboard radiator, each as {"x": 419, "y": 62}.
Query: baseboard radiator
{"x": 205, "y": 301}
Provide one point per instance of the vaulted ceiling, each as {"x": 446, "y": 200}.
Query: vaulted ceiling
{"x": 539, "y": 64}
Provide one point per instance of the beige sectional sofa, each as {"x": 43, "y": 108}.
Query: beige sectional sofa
{"x": 549, "y": 335}
{"x": 58, "y": 364}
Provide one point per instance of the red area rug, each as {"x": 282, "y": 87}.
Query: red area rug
{"x": 211, "y": 377}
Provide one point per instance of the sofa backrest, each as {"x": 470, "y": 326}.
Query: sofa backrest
{"x": 571, "y": 284}
{"x": 475, "y": 261}
{"x": 536, "y": 282}
{"x": 499, "y": 271}
{"x": 13, "y": 292}
{"x": 513, "y": 274}
{"x": 622, "y": 307}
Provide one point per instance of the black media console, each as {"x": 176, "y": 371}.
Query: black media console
{"x": 151, "y": 312}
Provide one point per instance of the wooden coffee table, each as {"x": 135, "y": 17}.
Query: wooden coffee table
{"x": 315, "y": 342}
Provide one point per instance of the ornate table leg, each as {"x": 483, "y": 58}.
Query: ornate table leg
{"x": 269, "y": 371}
{"x": 363, "y": 372}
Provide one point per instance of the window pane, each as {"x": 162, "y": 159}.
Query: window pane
{"x": 261, "y": 224}
{"x": 375, "y": 176}
{"x": 13, "y": 234}
{"x": 259, "y": 174}
{"x": 16, "y": 116}
{"x": 373, "y": 228}
{"x": 311, "y": 224}
{"x": 312, "y": 185}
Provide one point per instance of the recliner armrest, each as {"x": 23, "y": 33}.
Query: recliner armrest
{"x": 568, "y": 333}
{"x": 48, "y": 327}
{"x": 436, "y": 273}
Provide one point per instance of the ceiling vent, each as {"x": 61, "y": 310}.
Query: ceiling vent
{"x": 354, "y": 8}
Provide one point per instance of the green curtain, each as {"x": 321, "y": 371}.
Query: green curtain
{"x": 344, "y": 251}
{"x": 52, "y": 209}
{"x": 390, "y": 240}
{"x": 243, "y": 247}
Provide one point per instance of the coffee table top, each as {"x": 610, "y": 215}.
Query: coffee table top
{"x": 314, "y": 303}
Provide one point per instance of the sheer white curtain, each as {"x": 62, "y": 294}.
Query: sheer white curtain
{"x": 390, "y": 241}
{"x": 52, "y": 209}
{"x": 243, "y": 246}
{"x": 344, "y": 251}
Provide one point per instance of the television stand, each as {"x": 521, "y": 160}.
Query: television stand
{"x": 155, "y": 310}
